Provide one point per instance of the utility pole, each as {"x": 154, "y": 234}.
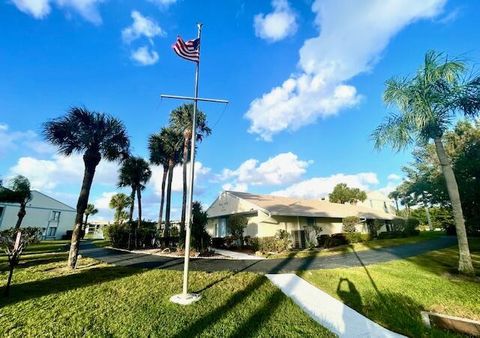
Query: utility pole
{"x": 186, "y": 298}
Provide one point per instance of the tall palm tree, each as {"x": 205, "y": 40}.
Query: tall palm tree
{"x": 427, "y": 104}
{"x": 96, "y": 136}
{"x": 166, "y": 149}
{"x": 119, "y": 202}
{"x": 19, "y": 192}
{"x": 159, "y": 156}
{"x": 135, "y": 173}
{"x": 89, "y": 210}
{"x": 395, "y": 195}
{"x": 181, "y": 120}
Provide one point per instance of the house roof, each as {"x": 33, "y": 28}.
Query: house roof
{"x": 287, "y": 206}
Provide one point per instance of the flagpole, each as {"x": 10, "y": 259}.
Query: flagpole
{"x": 186, "y": 298}
{"x": 189, "y": 217}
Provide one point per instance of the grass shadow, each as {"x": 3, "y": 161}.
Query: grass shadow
{"x": 34, "y": 289}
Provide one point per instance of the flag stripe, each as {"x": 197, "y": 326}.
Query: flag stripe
{"x": 188, "y": 50}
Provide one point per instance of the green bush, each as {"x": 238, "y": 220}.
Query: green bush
{"x": 349, "y": 224}
{"x": 278, "y": 243}
{"x": 117, "y": 234}
{"x": 356, "y": 237}
{"x": 411, "y": 224}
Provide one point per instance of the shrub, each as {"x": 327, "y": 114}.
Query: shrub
{"x": 117, "y": 234}
{"x": 356, "y": 237}
{"x": 218, "y": 242}
{"x": 200, "y": 237}
{"x": 336, "y": 240}
{"x": 322, "y": 239}
{"x": 411, "y": 224}
{"x": 349, "y": 223}
{"x": 278, "y": 243}
{"x": 398, "y": 224}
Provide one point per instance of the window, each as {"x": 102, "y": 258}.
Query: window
{"x": 55, "y": 216}
{"x": 51, "y": 232}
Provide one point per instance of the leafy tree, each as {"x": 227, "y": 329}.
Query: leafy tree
{"x": 343, "y": 194}
{"x": 181, "y": 120}
{"x": 119, "y": 202}
{"x": 166, "y": 147}
{"x": 237, "y": 225}
{"x": 96, "y": 136}
{"x": 427, "y": 104}
{"x": 19, "y": 192}
{"x": 200, "y": 236}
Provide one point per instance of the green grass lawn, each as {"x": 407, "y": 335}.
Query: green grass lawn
{"x": 373, "y": 244}
{"x": 394, "y": 293}
{"x": 103, "y": 300}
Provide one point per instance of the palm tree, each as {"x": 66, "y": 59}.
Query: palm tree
{"x": 135, "y": 172}
{"x": 19, "y": 192}
{"x": 119, "y": 202}
{"x": 395, "y": 195}
{"x": 428, "y": 103}
{"x": 89, "y": 210}
{"x": 181, "y": 119}
{"x": 159, "y": 156}
{"x": 96, "y": 136}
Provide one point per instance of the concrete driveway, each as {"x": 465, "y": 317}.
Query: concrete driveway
{"x": 281, "y": 265}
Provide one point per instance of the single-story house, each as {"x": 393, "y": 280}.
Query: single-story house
{"x": 45, "y": 212}
{"x": 303, "y": 219}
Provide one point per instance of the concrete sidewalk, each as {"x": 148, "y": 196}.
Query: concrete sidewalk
{"x": 238, "y": 255}
{"x": 328, "y": 311}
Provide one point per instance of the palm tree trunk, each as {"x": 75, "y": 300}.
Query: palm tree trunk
{"x": 184, "y": 196}
{"x": 131, "y": 225}
{"x": 162, "y": 198}
{"x": 465, "y": 262}
{"x": 90, "y": 161}
{"x": 132, "y": 205}
{"x": 21, "y": 214}
{"x": 166, "y": 233}
{"x": 139, "y": 223}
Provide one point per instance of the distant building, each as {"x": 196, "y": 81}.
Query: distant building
{"x": 45, "y": 212}
{"x": 302, "y": 219}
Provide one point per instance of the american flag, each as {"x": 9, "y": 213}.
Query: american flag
{"x": 189, "y": 50}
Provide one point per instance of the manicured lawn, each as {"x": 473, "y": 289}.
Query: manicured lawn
{"x": 394, "y": 293}
{"x": 374, "y": 244}
{"x": 102, "y": 300}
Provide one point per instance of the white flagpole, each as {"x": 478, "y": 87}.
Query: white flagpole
{"x": 185, "y": 298}
{"x": 188, "y": 215}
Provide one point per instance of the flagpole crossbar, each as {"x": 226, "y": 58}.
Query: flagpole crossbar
{"x": 191, "y": 98}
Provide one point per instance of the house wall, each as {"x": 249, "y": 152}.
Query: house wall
{"x": 39, "y": 214}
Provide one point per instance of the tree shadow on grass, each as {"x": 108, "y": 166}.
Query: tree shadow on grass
{"x": 79, "y": 279}
{"x": 253, "y": 323}
{"x": 395, "y": 311}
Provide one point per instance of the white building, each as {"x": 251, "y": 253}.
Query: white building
{"x": 52, "y": 216}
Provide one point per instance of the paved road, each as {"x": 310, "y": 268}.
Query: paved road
{"x": 281, "y": 265}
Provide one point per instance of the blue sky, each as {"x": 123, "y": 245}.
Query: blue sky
{"x": 304, "y": 79}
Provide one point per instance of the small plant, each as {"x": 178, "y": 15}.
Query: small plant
{"x": 237, "y": 225}
{"x": 13, "y": 242}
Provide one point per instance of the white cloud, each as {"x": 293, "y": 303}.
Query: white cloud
{"x": 86, "y": 8}
{"x": 201, "y": 174}
{"x": 36, "y": 8}
{"x": 281, "y": 169}
{"x": 277, "y": 25}
{"x": 21, "y": 140}
{"x": 163, "y": 3}
{"x": 318, "y": 187}
{"x": 144, "y": 56}
{"x": 394, "y": 177}
{"x": 41, "y": 8}
{"x": 46, "y": 175}
{"x": 352, "y": 36}
{"x": 141, "y": 26}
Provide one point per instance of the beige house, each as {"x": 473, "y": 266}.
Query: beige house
{"x": 303, "y": 219}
